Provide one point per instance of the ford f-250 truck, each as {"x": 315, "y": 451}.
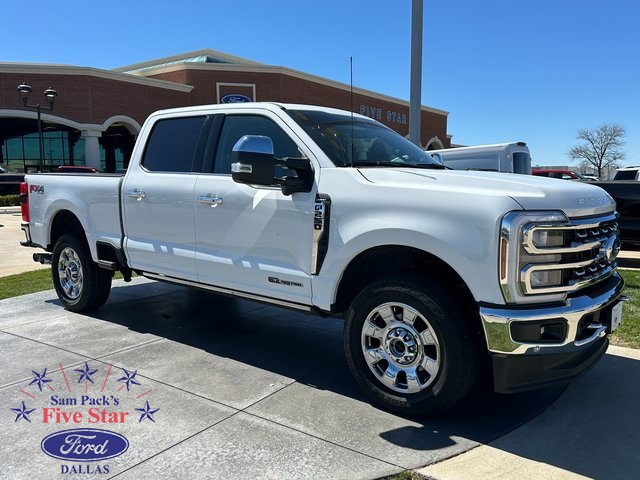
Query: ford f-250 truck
{"x": 320, "y": 210}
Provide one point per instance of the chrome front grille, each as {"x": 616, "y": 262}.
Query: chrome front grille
{"x": 583, "y": 253}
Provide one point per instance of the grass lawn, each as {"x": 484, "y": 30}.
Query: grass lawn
{"x": 23, "y": 283}
{"x": 628, "y": 335}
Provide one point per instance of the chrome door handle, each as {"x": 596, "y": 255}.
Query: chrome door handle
{"x": 137, "y": 194}
{"x": 210, "y": 200}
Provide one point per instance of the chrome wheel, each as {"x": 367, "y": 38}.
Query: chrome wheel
{"x": 400, "y": 348}
{"x": 70, "y": 273}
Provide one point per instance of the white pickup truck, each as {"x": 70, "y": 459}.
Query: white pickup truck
{"x": 436, "y": 272}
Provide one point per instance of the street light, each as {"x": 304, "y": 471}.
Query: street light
{"x": 50, "y": 94}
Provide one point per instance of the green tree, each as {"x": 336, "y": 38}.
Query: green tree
{"x": 601, "y": 147}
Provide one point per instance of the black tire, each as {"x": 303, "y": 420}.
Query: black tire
{"x": 80, "y": 284}
{"x": 426, "y": 334}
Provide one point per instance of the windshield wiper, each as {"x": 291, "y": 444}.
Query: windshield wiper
{"x": 434, "y": 166}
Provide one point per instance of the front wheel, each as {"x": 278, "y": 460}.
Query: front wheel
{"x": 410, "y": 346}
{"x": 79, "y": 282}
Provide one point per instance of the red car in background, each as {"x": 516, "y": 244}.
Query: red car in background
{"x": 563, "y": 174}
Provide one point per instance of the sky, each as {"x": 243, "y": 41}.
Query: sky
{"x": 505, "y": 70}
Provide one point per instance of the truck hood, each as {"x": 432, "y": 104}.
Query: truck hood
{"x": 575, "y": 199}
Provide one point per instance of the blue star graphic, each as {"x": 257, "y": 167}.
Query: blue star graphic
{"x": 129, "y": 378}
{"x": 86, "y": 373}
{"x": 39, "y": 378}
{"x": 146, "y": 412}
{"x": 24, "y": 413}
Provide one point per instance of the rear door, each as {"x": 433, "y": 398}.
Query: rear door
{"x": 253, "y": 239}
{"x": 158, "y": 197}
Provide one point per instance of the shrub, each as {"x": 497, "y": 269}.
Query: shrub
{"x": 9, "y": 200}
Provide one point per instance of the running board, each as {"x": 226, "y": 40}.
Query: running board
{"x": 231, "y": 293}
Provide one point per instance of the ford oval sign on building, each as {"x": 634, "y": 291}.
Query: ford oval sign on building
{"x": 235, "y": 98}
{"x": 84, "y": 445}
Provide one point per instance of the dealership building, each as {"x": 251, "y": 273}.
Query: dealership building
{"x": 97, "y": 113}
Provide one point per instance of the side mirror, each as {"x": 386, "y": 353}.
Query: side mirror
{"x": 253, "y": 163}
{"x": 253, "y": 160}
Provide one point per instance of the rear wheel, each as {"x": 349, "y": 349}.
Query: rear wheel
{"x": 79, "y": 282}
{"x": 410, "y": 346}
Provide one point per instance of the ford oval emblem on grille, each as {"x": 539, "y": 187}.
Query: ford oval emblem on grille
{"x": 84, "y": 445}
{"x": 610, "y": 249}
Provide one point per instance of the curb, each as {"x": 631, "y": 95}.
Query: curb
{"x": 9, "y": 210}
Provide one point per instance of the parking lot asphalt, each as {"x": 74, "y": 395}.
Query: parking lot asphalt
{"x": 204, "y": 386}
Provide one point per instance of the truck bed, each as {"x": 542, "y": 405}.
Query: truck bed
{"x": 94, "y": 198}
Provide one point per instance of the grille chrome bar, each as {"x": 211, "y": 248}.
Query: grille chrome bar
{"x": 587, "y": 254}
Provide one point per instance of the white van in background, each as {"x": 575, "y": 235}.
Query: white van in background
{"x": 511, "y": 157}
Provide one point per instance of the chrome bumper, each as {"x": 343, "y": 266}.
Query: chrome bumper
{"x": 498, "y": 321}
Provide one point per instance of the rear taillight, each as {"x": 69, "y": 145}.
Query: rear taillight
{"x": 24, "y": 201}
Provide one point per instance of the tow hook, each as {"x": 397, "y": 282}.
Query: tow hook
{"x": 43, "y": 258}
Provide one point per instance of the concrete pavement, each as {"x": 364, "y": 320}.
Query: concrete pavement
{"x": 14, "y": 258}
{"x": 228, "y": 388}
{"x": 591, "y": 431}
{"x": 234, "y": 390}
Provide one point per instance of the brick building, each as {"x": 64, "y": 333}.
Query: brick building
{"x": 98, "y": 113}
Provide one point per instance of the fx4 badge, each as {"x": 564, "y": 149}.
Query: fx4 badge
{"x": 36, "y": 189}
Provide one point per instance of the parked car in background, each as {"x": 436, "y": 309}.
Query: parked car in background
{"x": 10, "y": 181}
{"x": 627, "y": 173}
{"x": 513, "y": 157}
{"x": 625, "y": 190}
{"x": 563, "y": 174}
{"x": 587, "y": 178}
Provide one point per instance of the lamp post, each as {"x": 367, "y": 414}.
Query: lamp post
{"x": 50, "y": 94}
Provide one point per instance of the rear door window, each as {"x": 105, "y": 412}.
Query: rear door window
{"x": 173, "y": 145}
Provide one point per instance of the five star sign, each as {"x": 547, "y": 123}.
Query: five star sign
{"x": 24, "y": 413}
{"x": 147, "y": 412}
{"x": 85, "y": 374}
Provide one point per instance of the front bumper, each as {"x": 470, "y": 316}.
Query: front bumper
{"x": 525, "y": 356}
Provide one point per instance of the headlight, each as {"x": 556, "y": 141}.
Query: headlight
{"x": 544, "y": 256}
{"x": 530, "y": 252}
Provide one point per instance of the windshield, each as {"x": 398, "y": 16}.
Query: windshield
{"x": 361, "y": 142}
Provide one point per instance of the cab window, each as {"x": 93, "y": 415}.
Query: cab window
{"x": 172, "y": 144}
{"x": 236, "y": 126}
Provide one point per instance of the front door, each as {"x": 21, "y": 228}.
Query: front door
{"x": 253, "y": 239}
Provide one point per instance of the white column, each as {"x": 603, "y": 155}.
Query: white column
{"x": 91, "y": 148}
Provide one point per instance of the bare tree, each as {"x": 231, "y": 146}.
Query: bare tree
{"x": 601, "y": 147}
